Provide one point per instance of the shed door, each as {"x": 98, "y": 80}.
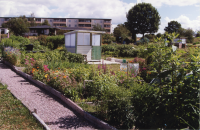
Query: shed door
{"x": 96, "y": 47}
{"x": 96, "y": 52}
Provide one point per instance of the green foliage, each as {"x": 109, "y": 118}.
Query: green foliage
{"x": 198, "y": 34}
{"x": 108, "y": 38}
{"x": 173, "y": 26}
{"x": 189, "y": 35}
{"x": 176, "y": 91}
{"x": 159, "y": 35}
{"x": 52, "y": 42}
{"x": 18, "y": 25}
{"x": 151, "y": 37}
{"x": 124, "y": 50}
{"x": 98, "y": 27}
{"x": 143, "y": 18}
{"x": 143, "y": 41}
{"x": 121, "y": 33}
{"x": 61, "y": 32}
{"x": 46, "y": 22}
{"x": 78, "y": 58}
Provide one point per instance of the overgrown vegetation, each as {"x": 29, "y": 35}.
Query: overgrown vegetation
{"x": 121, "y": 98}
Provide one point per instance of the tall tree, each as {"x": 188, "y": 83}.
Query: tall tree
{"x": 143, "y": 18}
{"x": 46, "y": 22}
{"x": 98, "y": 27}
{"x": 173, "y": 26}
{"x": 121, "y": 32}
{"x": 189, "y": 34}
{"x": 19, "y": 25}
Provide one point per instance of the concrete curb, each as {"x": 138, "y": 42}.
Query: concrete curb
{"x": 69, "y": 102}
{"x": 41, "y": 121}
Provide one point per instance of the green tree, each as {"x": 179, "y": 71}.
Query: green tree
{"x": 159, "y": 35}
{"x": 46, "y": 22}
{"x": 108, "y": 38}
{"x": 32, "y": 22}
{"x": 19, "y": 25}
{"x": 189, "y": 35}
{"x": 143, "y": 18}
{"x": 121, "y": 32}
{"x": 98, "y": 27}
{"x": 198, "y": 34}
{"x": 173, "y": 26}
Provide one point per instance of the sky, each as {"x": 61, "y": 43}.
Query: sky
{"x": 186, "y": 12}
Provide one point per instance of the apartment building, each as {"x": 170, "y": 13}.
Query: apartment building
{"x": 75, "y": 23}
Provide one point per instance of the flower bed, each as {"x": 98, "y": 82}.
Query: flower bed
{"x": 120, "y": 98}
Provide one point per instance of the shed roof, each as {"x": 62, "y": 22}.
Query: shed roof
{"x": 85, "y": 31}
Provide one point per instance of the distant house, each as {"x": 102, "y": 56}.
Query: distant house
{"x": 180, "y": 42}
{"x": 43, "y": 29}
{"x": 4, "y": 30}
{"x": 48, "y": 30}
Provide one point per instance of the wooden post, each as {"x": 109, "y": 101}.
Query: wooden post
{"x": 127, "y": 70}
{"x": 0, "y": 35}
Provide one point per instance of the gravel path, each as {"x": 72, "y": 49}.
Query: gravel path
{"x": 49, "y": 108}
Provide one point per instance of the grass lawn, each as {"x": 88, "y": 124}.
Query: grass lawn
{"x": 13, "y": 114}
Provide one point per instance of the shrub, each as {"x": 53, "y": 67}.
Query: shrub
{"x": 11, "y": 55}
{"x": 143, "y": 41}
{"x": 78, "y": 58}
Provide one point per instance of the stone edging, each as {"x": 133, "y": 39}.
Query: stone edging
{"x": 69, "y": 102}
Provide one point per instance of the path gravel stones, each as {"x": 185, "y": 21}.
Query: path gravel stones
{"x": 50, "y": 109}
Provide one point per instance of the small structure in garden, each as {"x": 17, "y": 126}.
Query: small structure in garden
{"x": 85, "y": 42}
{"x": 180, "y": 42}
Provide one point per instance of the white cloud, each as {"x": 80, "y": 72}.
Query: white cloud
{"x": 184, "y": 21}
{"x": 113, "y": 9}
{"x": 159, "y": 3}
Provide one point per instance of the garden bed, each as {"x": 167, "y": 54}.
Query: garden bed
{"x": 119, "y": 97}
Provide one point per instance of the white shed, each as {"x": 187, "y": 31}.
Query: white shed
{"x": 84, "y": 42}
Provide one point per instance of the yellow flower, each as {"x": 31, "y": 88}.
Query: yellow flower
{"x": 56, "y": 71}
{"x": 59, "y": 75}
{"x": 70, "y": 72}
{"x": 64, "y": 77}
{"x": 46, "y": 76}
{"x": 54, "y": 77}
{"x": 37, "y": 67}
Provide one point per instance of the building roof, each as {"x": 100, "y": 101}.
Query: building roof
{"x": 60, "y": 18}
{"x": 85, "y": 31}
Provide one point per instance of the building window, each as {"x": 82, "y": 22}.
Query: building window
{"x": 69, "y": 20}
{"x": 75, "y": 25}
{"x": 50, "y": 20}
{"x": 94, "y": 21}
{"x": 69, "y": 25}
{"x": 2, "y": 20}
{"x": 100, "y": 21}
{"x": 45, "y": 31}
{"x": 75, "y": 20}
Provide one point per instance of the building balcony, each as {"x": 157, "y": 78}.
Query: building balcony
{"x": 84, "y": 27}
{"x": 61, "y": 22}
{"x": 84, "y": 22}
{"x": 106, "y": 27}
{"x": 37, "y": 21}
{"x": 107, "y": 23}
